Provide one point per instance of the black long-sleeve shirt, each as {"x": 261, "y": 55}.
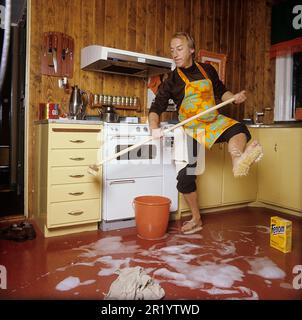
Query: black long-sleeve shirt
{"x": 174, "y": 87}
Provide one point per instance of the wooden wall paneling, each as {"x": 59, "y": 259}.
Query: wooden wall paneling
{"x": 242, "y": 57}
{"x": 187, "y": 16}
{"x": 159, "y": 28}
{"x": 170, "y": 28}
{"x": 131, "y": 25}
{"x": 210, "y": 25}
{"x": 217, "y": 25}
{"x": 195, "y": 23}
{"x": 269, "y": 64}
{"x": 235, "y": 85}
{"x": 179, "y": 16}
{"x": 87, "y": 80}
{"x": 150, "y": 26}
{"x": 259, "y": 55}
{"x": 224, "y": 31}
{"x": 228, "y": 110}
{"x": 203, "y": 25}
{"x": 250, "y": 56}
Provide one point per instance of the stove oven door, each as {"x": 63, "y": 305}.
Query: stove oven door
{"x": 119, "y": 195}
{"x": 145, "y": 161}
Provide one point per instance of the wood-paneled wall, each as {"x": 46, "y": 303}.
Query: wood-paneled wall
{"x": 238, "y": 28}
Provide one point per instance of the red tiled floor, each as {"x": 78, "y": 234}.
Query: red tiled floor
{"x": 230, "y": 258}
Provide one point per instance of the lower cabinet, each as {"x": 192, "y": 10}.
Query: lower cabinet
{"x": 217, "y": 186}
{"x": 66, "y": 196}
{"x": 280, "y": 171}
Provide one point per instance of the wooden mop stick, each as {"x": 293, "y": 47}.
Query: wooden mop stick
{"x": 96, "y": 166}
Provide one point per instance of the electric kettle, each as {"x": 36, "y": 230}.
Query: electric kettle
{"x": 76, "y": 105}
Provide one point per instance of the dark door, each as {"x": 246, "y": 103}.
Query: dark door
{"x": 12, "y": 114}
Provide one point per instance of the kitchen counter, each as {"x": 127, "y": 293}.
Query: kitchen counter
{"x": 68, "y": 121}
{"x": 280, "y": 124}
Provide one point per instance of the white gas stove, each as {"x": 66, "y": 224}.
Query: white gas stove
{"x": 147, "y": 170}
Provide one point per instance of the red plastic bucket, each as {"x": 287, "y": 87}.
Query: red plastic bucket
{"x": 151, "y": 216}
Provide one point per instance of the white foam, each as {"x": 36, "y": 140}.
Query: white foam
{"x": 178, "y": 249}
{"x": 164, "y": 272}
{"x": 189, "y": 236}
{"x": 71, "y": 283}
{"x": 68, "y": 284}
{"x": 266, "y": 268}
{"x": 113, "y": 265}
{"x": 108, "y": 245}
{"x": 286, "y": 285}
{"x": 218, "y": 291}
{"x": 257, "y": 250}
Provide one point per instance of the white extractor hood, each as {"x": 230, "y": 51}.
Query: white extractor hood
{"x": 111, "y": 60}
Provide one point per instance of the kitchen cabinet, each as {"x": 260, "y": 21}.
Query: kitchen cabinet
{"x": 67, "y": 197}
{"x": 280, "y": 171}
{"x": 217, "y": 186}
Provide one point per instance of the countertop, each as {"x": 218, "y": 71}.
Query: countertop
{"x": 68, "y": 121}
{"x": 279, "y": 124}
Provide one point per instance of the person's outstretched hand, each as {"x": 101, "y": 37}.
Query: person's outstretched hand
{"x": 239, "y": 97}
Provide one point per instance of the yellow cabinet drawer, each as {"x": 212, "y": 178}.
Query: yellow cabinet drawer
{"x": 74, "y": 212}
{"x": 76, "y": 191}
{"x": 78, "y": 174}
{"x": 75, "y": 139}
{"x": 73, "y": 157}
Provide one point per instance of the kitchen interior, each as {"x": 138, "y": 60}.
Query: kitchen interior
{"x": 80, "y": 79}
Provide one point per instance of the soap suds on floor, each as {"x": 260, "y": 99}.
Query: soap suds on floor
{"x": 181, "y": 261}
{"x": 71, "y": 283}
{"x": 265, "y": 268}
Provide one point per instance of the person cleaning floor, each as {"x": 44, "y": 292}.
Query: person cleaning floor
{"x": 194, "y": 86}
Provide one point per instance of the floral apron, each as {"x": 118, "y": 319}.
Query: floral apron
{"x": 199, "y": 97}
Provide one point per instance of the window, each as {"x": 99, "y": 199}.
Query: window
{"x": 288, "y": 86}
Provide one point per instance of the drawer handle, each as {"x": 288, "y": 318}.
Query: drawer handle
{"x": 77, "y": 141}
{"x": 121, "y": 182}
{"x": 75, "y": 213}
{"x": 76, "y": 193}
{"x": 77, "y": 159}
{"x": 76, "y": 175}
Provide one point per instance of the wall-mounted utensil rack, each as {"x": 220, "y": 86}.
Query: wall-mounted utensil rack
{"x": 57, "y": 54}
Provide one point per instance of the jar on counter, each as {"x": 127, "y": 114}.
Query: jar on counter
{"x": 268, "y": 116}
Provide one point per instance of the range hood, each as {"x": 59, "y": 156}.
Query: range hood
{"x": 110, "y": 60}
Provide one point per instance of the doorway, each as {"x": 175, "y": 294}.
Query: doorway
{"x": 12, "y": 120}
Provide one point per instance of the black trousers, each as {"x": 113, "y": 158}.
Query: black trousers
{"x": 186, "y": 181}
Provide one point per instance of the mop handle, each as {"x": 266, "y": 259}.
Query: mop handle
{"x": 165, "y": 131}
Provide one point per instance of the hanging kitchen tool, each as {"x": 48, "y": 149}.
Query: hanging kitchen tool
{"x": 95, "y": 169}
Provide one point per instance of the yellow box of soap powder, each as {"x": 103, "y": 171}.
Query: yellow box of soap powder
{"x": 281, "y": 234}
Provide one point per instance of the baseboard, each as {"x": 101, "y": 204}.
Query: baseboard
{"x": 276, "y": 208}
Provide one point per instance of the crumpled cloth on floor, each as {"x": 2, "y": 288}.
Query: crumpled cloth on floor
{"x": 134, "y": 284}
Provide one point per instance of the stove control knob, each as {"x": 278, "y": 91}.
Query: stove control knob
{"x": 138, "y": 129}
{"x": 145, "y": 129}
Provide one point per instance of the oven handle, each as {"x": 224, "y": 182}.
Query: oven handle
{"x": 127, "y": 136}
{"x": 122, "y": 181}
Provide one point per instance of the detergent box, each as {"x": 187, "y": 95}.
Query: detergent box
{"x": 281, "y": 234}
